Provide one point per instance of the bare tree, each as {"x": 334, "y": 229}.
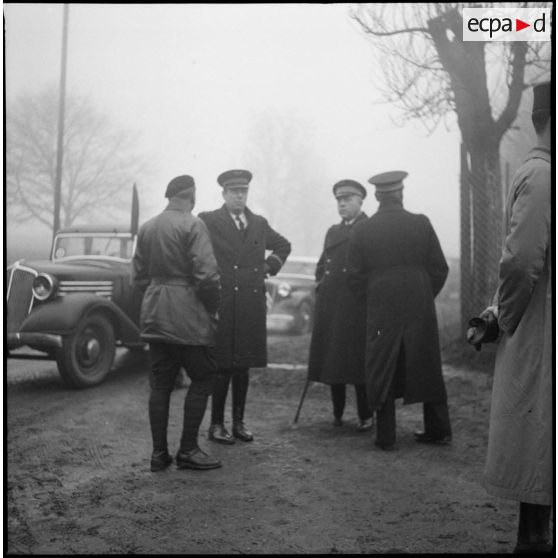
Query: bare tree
{"x": 99, "y": 161}
{"x": 430, "y": 73}
{"x": 287, "y": 174}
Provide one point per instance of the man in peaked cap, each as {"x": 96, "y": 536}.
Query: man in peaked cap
{"x": 240, "y": 239}
{"x": 338, "y": 338}
{"x": 519, "y": 459}
{"x": 396, "y": 267}
{"x": 175, "y": 268}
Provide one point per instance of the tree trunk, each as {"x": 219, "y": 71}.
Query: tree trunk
{"x": 485, "y": 183}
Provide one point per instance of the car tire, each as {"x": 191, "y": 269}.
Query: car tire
{"x": 87, "y": 355}
{"x": 304, "y": 318}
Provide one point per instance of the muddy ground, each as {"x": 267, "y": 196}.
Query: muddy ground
{"x": 78, "y": 478}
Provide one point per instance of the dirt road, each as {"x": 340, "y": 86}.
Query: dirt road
{"x": 78, "y": 478}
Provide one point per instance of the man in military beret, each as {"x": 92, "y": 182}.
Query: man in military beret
{"x": 175, "y": 268}
{"x": 338, "y": 339}
{"x": 240, "y": 239}
{"x": 519, "y": 461}
{"x": 396, "y": 267}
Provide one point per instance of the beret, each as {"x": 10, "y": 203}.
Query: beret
{"x": 388, "y": 181}
{"x": 179, "y": 184}
{"x": 348, "y": 187}
{"x": 235, "y": 178}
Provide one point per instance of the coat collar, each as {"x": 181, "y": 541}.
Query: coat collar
{"x": 341, "y": 233}
{"x": 540, "y": 153}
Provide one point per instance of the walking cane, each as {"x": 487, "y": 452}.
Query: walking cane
{"x": 302, "y": 399}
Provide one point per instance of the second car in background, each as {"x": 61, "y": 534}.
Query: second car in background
{"x": 291, "y": 296}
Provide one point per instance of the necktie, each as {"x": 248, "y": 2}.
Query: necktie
{"x": 240, "y": 223}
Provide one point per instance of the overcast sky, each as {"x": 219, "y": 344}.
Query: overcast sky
{"x": 191, "y": 78}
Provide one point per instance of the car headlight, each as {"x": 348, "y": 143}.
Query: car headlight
{"x": 284, "y": 290}
{"x": 43, "y": 287}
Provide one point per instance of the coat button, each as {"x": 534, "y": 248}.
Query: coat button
{"x": 344, "y": 270}
{"x": 255, "y": 269}
{"x": 327, "y": 272}
{"x": 235, "y": 267}
{"x": 328, "y": 260}
{"x": 255, "y": 290}
{"x": 236, "y": 288}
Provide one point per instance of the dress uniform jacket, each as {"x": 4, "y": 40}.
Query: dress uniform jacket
{"x": 519, "y": 462}
{"x": 174, "y": 263}
{"x": 241, "y": 334}
{"x": 338, "y": 338}
{"x": 396, "y": 265}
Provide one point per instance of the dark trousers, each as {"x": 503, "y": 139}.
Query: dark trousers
{"x": 534, "y": 526}
{"x": 338, "y": 396}
{"x": 166, "y": 360}
{"x": 435, "y": 414}
{"x": 239, "y": 377}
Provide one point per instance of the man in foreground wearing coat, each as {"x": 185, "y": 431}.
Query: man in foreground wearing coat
{"x": 338, "y": 338}
{"x": 519, "y": 463}
{"x": 396, "y": 267}
{"x": 175, "y": 267}
{"x": 240, "y": 239}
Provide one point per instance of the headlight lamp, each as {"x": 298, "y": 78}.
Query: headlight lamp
{"x": 284, "y": 290}
{"x": 43, "y": 287}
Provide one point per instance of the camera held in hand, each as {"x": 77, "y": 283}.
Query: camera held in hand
{"x": 483, "y": 329}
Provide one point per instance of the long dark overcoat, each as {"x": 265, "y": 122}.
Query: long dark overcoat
{"x": 396, "y": 265}
{"x": 241, "y": 333}
{"x": 338, "y": 339}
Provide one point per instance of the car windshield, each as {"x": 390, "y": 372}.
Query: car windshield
{"x": 115, "y": 246}
{"x": 298, "y": 268}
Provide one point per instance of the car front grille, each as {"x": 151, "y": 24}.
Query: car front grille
{"x": 19, "y": 296}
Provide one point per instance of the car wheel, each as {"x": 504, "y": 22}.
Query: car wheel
{"x": 304, "y": 318}
{"x": 87, "y": 355}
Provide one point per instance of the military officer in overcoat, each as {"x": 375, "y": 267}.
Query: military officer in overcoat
{"x": 240, "y": 239}
{"x": 396, "y": 267}
{"x": 338, "y": 339}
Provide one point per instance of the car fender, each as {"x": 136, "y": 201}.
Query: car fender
{"x": 62, "y": 315}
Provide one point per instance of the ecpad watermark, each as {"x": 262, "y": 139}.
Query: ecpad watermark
{"x": 507, "y": 24}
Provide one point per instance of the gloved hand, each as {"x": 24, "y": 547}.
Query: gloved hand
{"x": 484, "y": 329}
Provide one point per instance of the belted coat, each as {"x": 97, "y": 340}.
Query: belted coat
{"x": 396, "y": 267}
{"x": 174, "y": 265}
{"x": 241, "y": 257}
{"x": 519, "y": 462}
{"x": 338, "y": 338}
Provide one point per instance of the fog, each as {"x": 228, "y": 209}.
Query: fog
{"x": 197, "y": 82}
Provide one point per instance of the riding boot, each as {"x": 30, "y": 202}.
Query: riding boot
{"x": 240, "y": 381}
{"x": 217, "y": 431}
{"x": 533, "y": 533}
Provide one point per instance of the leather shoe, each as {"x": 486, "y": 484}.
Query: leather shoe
{"x": 218, "y": 433}
{"x": 240, "y": 432}
{"x": 337, "y": 421}
{"x": 160, "y": 460}
{"x": 196, "y": 459}
{"x": 425, "y": 438}
{"x": 385, "y": 447}
{"x": 365, "y": 425}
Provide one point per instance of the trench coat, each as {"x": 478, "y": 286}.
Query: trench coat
{"x": 241, "y": 333}
{"x": 338, "y": 338}
{"x": 519, "y": 462}
{"x": 175, "y": 267}
{"x": 396, "y": 267}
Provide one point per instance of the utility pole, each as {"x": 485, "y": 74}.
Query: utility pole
{"x": 61, "y": 106}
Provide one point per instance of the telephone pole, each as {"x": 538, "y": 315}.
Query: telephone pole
{"x": 61, "y": 107}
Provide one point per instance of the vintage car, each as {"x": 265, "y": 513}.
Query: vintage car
{"x": 291, "y": 296}
{"x": 78, "y": 306}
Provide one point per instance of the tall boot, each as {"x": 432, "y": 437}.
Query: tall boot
{"x": 240, "y": 381}
{"x": 217, "y": 431}
{"x": 158, "y": 421}
{"x": 533, "y": 533}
